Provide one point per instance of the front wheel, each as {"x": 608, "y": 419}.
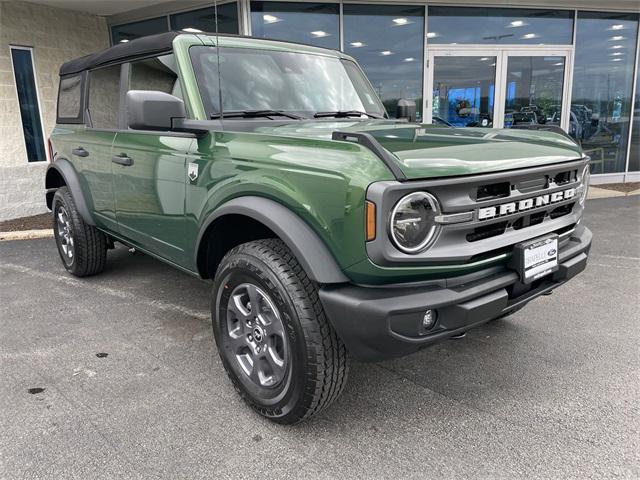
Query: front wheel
{"x": 276, "y": 344}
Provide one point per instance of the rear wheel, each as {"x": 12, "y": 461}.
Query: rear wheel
{"x": 82, "y": 247}
{"x": 275, "y": 342}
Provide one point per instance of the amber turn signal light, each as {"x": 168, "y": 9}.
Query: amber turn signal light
{"x": 371, "y": 220}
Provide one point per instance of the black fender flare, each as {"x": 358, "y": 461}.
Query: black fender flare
{"x": 309, "y": 249}
{"x": 68, "y": 173}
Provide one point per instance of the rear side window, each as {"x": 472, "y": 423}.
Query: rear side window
{"x": 70, "y": 100}
{"x": 104, "y": 97}
{"x": 158, "y": 73}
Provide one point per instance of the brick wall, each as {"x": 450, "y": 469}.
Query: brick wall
{"x": 56, "y": 36}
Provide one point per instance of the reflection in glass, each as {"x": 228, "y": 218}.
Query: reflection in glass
{"x": 387, "y": 41}
{"x": 463, "y": 90}
{"x": 602, "y": 86}
{"x": 506, "y": 26}
{"x": 130, "y": 31}
{"x": 203, "y": 19}
{"x": 634, "y": 156}
{"x": 311, "y": 23}
{"x": 298, "y": 83}
{"x": 534, "y": 91}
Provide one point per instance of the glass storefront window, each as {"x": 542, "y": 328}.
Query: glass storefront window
{"x": 506, "y": 26}
{"x": 203, "y": 20}
{"x": 634, "y": 155}
{"x": 463, "y": 90}
{"x": 534, "y": 91}
{"x": 131, "y": 31}
{"x": 387, "y": 41}
{"x": 311, "y": 23}
{"x": 602, "y": 86}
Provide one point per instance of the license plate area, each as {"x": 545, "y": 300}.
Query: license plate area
{"x": 536, "y": 258}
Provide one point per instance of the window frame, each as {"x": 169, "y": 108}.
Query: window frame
{"x": 79, "y": 119}
{"x": 88, "y": 121}
{"x": 39, "y": 102}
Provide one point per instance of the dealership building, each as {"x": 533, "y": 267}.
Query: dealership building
{"x": 568, "y": 63}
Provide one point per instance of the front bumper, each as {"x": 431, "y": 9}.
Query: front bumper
{"x": 378, "y": 323}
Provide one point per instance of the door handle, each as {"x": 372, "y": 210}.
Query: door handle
{"x": 122, "y": 159}
{"x": 80, "y": 152}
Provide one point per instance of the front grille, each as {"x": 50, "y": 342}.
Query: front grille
{"x": 484, "y": 213}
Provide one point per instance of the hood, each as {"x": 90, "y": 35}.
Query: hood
{"x": 428, "y": 151}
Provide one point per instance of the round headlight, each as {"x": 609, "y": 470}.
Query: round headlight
{"x": 412, "y": 223}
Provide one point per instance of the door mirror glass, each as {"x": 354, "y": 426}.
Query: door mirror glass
{"x": 152, "y": 110}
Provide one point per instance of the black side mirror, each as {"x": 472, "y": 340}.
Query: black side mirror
{"x": 152, "y": 110}
{"x": 406, "y": 109}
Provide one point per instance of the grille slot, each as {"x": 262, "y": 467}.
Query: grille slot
{"x": 494, "y": 190}
{"x": 533, "y": 184}
{"x": 562, "y": 211}
{"x": 487, "y": 231}
{"x": 563, "y": 178}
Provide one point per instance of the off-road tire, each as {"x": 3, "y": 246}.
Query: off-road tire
{"x": 89, "y": 243}
{"x": 318, "y": 362}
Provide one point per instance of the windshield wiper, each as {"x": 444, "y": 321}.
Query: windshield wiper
{"x": 345, "y": 114}
{"x": 257, "y": 114}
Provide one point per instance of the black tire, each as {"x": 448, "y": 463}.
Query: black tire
{"x": 88, "y": 244}
{"x": 315, "y": 359}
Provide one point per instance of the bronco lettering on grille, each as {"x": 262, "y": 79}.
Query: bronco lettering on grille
{"x": 526, "y": 204}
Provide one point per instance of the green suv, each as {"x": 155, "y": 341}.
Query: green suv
{"x": 330, "y": 230}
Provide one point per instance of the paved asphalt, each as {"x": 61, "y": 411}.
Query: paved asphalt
{"x": 551, "y": 392}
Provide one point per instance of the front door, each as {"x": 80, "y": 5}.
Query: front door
{"x": 498, "y": 87}
{"x": 150, "y": 177}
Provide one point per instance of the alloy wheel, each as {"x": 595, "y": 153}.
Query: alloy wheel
{"x": 256, "y": 336}
{"x": 65, "y": 234}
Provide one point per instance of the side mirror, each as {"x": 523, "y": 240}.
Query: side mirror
{"x": 406, "y": 109}
{"x": 152, "y": 110}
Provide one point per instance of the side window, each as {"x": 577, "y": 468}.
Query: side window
{"x": 157, "y": 73}
{"x": 70, "y": 99}
{"x": 104, "y": 97}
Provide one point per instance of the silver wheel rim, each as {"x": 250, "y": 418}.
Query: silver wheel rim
{"x": 256, "y": 335}
{"x": 65, "y": 234}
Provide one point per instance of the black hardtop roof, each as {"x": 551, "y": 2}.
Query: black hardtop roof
{"x": 122, "y": 51}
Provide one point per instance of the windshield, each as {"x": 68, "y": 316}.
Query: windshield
{"x": 298, "y": 83}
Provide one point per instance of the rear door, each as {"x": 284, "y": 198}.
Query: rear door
{"x": 91, "y": 149}
{"x": 149, "y": 170}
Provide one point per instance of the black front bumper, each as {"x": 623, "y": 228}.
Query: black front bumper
{"x": 378, "y": 323}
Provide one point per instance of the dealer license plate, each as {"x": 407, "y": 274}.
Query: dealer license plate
{"x": 539, "y": 258}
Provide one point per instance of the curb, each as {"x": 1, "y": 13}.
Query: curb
{"x": 26, "y": 235}
{"x": 595, "y": 192}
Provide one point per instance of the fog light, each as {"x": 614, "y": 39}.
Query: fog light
{"x": 429, "y": 319}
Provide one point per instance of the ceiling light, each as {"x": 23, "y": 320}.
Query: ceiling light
{"x": 616, "y": 38}
{"x": 432, "y": 35}
{"x": 386, "y": 52}
{"x": 617, "y": 47}
{"x": 616, "y": 54}
{"x": 409, "y": 59}
{"x": 401, "y": 21}
{"x": 517, "y": 23}
{"x": 124, "y": 40}
{"x": 616, "y": 59}
{"x": 616, "y": 27}
{"x": 484, "y": 59}
{"x": 191, "y": 30}
{"x": 319, "y": 34}
{"x": 357, "y": 44}
{"x": 528, "y": 36}
{"x": 270, "y": 18}
{"x": 559, "y": 64}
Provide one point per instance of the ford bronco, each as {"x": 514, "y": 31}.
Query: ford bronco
{"x": 330, "y": 230}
